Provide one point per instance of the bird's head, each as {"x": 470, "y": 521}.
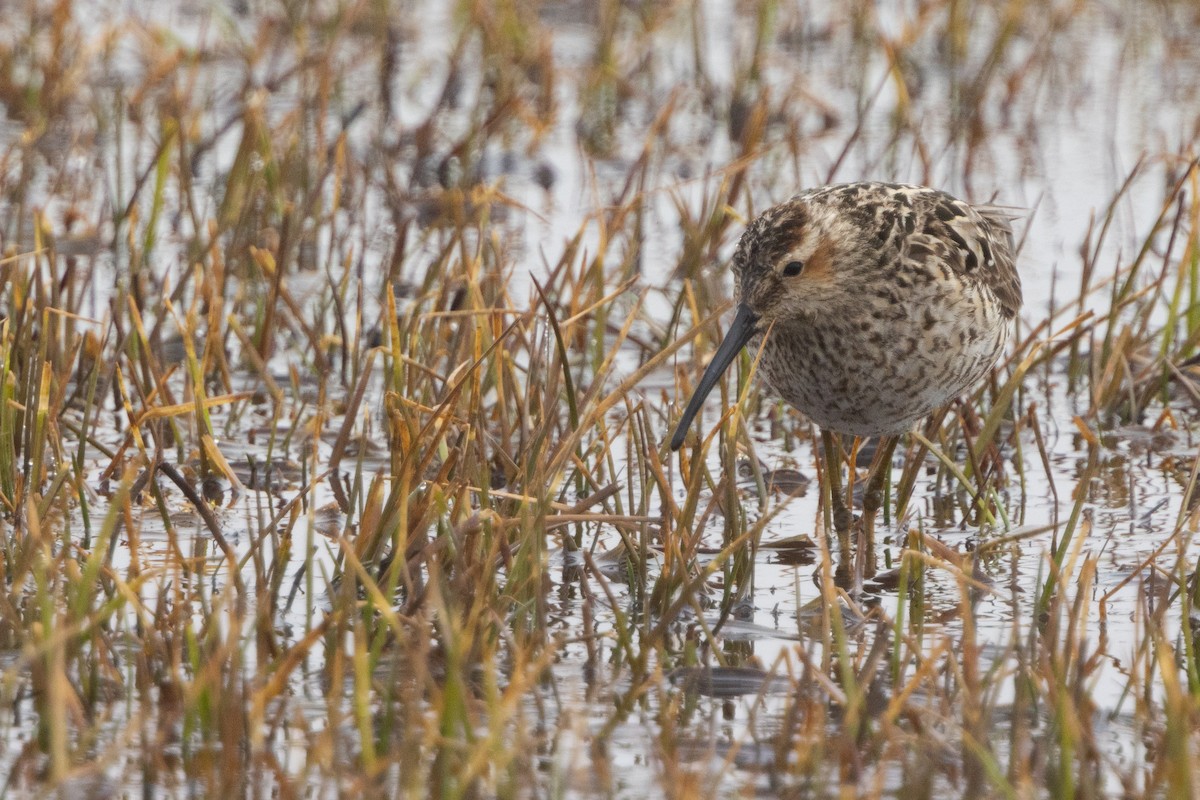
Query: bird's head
{"x": 790, "y": 262}
{"x": 787, "y": 271}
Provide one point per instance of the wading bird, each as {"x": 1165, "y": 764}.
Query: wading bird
{"x": 869, "y": 305}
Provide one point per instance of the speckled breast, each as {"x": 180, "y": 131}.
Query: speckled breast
{"x": 881, "y": 367}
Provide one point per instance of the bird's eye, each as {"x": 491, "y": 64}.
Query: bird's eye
{"x": 793, "y": 268}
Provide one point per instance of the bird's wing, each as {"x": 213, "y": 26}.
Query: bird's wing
{"x": 1001, "y": 272}
{"x": 975, "y": 241}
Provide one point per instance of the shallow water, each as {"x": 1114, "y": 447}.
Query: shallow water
{"x": 1078, "y": 101}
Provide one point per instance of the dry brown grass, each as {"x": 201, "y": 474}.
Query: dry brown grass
{"x": 340, "y": 341}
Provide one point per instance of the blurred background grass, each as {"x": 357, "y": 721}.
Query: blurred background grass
{"x": 340, "y": 341}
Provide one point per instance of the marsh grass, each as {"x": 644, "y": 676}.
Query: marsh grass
{"x": 332, "y": 448}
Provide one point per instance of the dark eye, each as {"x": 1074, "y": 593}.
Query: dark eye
{"x": 793, "y": 268}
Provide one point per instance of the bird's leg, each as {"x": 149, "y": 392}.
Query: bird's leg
{"x": 842, "y": 518}
{"x": 873, "y": 500}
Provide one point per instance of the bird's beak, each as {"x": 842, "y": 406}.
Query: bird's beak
{"x": 743, "y": 327}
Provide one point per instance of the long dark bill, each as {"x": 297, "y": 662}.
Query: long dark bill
{"x": 743, "y": 327}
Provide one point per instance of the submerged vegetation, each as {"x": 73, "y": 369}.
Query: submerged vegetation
{"x": 341, "y": 341}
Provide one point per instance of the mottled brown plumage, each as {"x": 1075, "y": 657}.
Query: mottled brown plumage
{"x": 873, "y": 303}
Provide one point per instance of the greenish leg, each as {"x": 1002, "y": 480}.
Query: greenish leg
{"x": 873, "y": 500}
{"x": 843, "y": 520}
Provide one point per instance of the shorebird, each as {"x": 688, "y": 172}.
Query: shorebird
{"x": 869, "y": 305}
